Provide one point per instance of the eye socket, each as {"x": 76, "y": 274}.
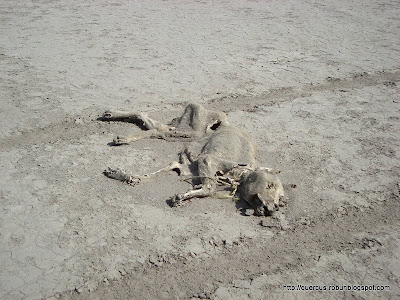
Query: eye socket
{"x": 215, "y": 125}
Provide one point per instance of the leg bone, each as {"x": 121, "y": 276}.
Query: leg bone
{"x": 206, "y": 190}
{"x": 147, "y": 122}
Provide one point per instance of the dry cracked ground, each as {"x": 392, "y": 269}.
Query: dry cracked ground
{"x": 315, "y": 83}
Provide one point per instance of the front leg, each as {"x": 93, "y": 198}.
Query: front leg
{"x": 121, "y": 175}
{"x": 206, "y": 190}
{"x": 124, "y": 140}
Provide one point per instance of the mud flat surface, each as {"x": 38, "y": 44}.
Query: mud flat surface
{"x": 315, "y": 84}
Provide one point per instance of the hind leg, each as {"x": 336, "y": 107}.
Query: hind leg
{"x": 196, "y": 118}
{"x": 154, "y": 129}
{"x": 155, "y": 134}
{"x": 124, "y": 140}
{"x": 210, "y": 169}
{"x": 141, "y": 118}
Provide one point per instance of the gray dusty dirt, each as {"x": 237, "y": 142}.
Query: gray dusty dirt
{"x": 315, "y": 84}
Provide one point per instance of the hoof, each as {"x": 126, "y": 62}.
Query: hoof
{"x": 108, "y": 115}
{"x": 120, "y": 140}
{"x": 120, "y": 175}
{"x": 176, "y": 201}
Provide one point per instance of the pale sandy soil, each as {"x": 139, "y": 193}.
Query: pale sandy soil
{"x": 315, "y": 83}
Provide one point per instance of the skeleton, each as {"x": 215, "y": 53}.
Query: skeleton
{"x": 227, "y": 157}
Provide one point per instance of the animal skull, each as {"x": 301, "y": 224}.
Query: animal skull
{"x": 263, "y": 190}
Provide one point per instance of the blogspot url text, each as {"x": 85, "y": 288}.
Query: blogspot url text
{"x": 333, "y": 287}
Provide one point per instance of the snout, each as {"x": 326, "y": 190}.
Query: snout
{"x": 266, "y": 210}
{"x": 272, "y": 207}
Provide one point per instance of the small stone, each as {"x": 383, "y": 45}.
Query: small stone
{"x": 396, "y": 190}
{"x": 141, "y": 260}
{"x": 341, "y": 210}
{"x": 228, "y": 242}
{"x": 152, "y": 259}
{"x": 106, "y": 282}
{"x": 92, "y": 285}
{"x": 242, "y": 284}
{"x": 282, "y": 220}
{"x": 155, "y": 261}
{"x": 370, "y": 243}
{"x": 305, "y": 221}
{"x": 122, "y": 272}
{"x": 222, "y": 293}
{"x": 268, "y": 223}
{"x": 285, "y": 225}
{"x": 114, "y": 274}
